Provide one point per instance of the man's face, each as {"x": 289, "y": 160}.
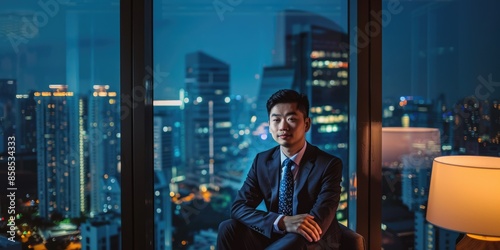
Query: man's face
{"x": 288, "y": 125}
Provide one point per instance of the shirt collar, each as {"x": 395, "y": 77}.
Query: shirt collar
{"x": 296, "y": 157}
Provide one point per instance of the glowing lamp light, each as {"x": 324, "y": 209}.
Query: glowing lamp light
{"x": 464, "y": 196}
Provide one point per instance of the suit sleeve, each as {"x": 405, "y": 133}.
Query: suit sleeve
{"x": 327, "y": 202}
{"x": 249, "y": 197}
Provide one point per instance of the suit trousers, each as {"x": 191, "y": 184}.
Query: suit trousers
{"x": 234, "y": 235}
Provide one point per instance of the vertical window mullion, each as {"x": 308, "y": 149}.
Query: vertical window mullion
{"x": 369, "y": 122}
{"x": 137, "y": 124}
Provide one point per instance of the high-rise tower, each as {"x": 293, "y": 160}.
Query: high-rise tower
{"x": 104, "y": 150}
{"x": 7, "y": 112}
{"x": 59, "y": 170}
{"x": 207, "y": 109}
{"x": 315, "y": 48}
{"x": 26, "y": 130}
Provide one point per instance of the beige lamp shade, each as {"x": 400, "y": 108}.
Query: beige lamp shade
{"x": 408, "y": 141}
{"x": 464, "y": 194}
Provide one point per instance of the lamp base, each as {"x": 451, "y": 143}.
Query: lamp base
{"x": 486, "y": 238}
{"x": 468, "y": 242}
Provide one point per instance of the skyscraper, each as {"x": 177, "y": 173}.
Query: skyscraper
{"x": 207, "y": 114}
{"x": 7, "y": 112}
{"x": 25, "y": 148}
{"x": 168, "y": 148}
{"x": 168, "y": 136}
{"x": 467, "y": 125}
{"x": 58, "y": 154}
{"x": 495, "y": 122}
{"x": 314, "y": 47}
{"x": 162, "y": 210}
{"x": 26, "y": 132}
{"x": 428, "y": 236}
{"x": 102, "y": 232}
{"x": 104, "y": 150}
{"x": 273, "y": 79}
{"x": 415, "y": 179}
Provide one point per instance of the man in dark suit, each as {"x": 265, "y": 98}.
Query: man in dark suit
{"x": 311, "y": 222}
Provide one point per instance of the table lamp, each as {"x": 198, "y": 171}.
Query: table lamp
{"x": 464, "y": 196}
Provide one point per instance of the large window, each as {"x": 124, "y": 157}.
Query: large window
{"x": 440, "y": 97}
{"x": 60, "y": 124}
{"x": 215, "y": 64}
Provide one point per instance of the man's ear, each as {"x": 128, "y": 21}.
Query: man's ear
{"x": 308, "y": 123}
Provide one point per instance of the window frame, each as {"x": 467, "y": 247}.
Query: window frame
{"x": 369, "y": 123}
{"x": 136, "y": 60}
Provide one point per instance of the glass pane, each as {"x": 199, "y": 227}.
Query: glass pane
{"x": 441, "y": 97}
{"x": 216, "y": 64}
{"x": 60, "y": 124}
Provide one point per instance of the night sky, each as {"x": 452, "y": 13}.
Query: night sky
{"x": 243, "y": 37}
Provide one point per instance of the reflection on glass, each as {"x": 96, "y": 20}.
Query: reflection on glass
{"x": 60, "y": 124}
{"x": 438, "y": 73}
{"x": 218, "y": 63}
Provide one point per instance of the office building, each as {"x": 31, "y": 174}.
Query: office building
{"x": 428, "y": 236}
{"x": 162, "y": 210}
{"x": 168, "y": 151}
{"x": 60, "y": 185}
{"x": 8, "y": 112}
{"x": 102, "y": 232}
{"x": 104, "y": 150}
{"x": 207, "y": 114}
{"x": 274, "y": 78}
{"x": 315, "y": 48}
{"x": 26, "y": 134}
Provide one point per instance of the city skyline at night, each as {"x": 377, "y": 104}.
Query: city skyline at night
{"x": 491, "y": 115}
{"x": 214, "y": 70}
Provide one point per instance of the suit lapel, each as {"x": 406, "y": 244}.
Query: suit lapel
{"x": 306, "y": 165}
{"x": 273, "y": 165}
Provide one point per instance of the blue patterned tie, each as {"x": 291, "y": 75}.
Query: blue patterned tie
{"x": 286, "y": 189}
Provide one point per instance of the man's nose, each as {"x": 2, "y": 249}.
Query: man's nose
{"x": 284, "y": 126}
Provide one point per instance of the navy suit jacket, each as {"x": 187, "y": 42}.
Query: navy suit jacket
{"x": 317, "y": 192}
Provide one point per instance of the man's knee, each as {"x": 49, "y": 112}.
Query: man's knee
{"x": 298, "y": 240}
{"x": 290, "y": 241}
{"x": 294, "y": 237}
{"x": 224, "y": 225}
{"x": 228, "y": 226}
{"x": 233, "y": 234}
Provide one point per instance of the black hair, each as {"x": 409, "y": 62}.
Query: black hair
{"x": 289, "y": 96}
